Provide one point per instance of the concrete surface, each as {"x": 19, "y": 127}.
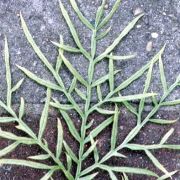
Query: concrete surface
{"x": 160, "y": 25}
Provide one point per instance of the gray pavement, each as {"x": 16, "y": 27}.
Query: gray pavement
{"x": 160, "y": 25}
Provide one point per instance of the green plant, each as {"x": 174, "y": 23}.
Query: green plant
{"x": 114, "y": 97}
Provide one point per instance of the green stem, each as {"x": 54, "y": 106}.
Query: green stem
{"x": 87, "y": 104}
{"x": 128, "y": 139}
{"x": 41, "y": 144}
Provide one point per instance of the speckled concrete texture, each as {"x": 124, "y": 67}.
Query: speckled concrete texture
{"x": 159, "y": 25}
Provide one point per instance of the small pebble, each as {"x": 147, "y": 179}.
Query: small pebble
{"x": 137, "y": 11}
{"x": 149, "y": 46}
{"x": 154, "y": 35}
{"x": 138, "y": 26}
{"x": 106, "y": 6}
{"x": 164, "y": 13}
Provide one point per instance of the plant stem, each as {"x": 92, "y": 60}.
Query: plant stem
{"x": 128, "y": 139}
{"x": 87, "y": 104}
{"x": 41, "y": 144}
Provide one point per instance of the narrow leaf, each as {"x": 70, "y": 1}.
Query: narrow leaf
{"x": 24, "y": 127}
{"x": 73, "y": 85}
{"x": 104, "y": 111}
{"x": 44, "y": 115}
{"x": 112, "y": 175}
{"x": 162, "y": 121}
{"x": 121, "y": 57}
{"x": 64, "y": 107}
{"x": 34, "y": 45}
{"x": 111, "y": 74}
{"x": 162, "y": 74}
{"x": 90, "y": 124}
{"x": 156, "y": 162}
{"x": 21, "y": 108}
{"x": 167, "y": 135}
{"x": 139, "y": 73}
{"x": 89, "y": 177}
{"x": 40, "y": 157}
{"x": 39, "y": 80}
{"x": 72, "y": 30}
{"x": 8, "y": 149}
{"x": 8, "y": 109}
{"x": 103, "y": 34}
{"x": 48, "y": 175}
{"x": 89, "y": 151}
{"x": 80, "y": 94}
{"x": 109, "y": 16}
{"x": 119, "y": 38}
{"x": 59, "y": 139}
{"x": 8, "y": 73}
{"x": 171, "y": 103}
{"x": 146, "y": 87}
{"x": 99, "y": 129}
{"x": 100, "y": 13}
{"x": 137, "y": 147}
{"x": 130, "y": 170}
{"x": 70, "y": 125}
{"x": 130, "y": 107}
{"x": 11, "y": 136}
{"x": 125, "y": 176}
{"x": 73, "y": 70}
{"x": 80, "y": 15}
{"x": 114, "y": 129}
{"x": 26, "y": 163}
{"x": 112, "y": 154}
{"x": 93, "y": 44}
{"x": 96, "y": 154}
{"x": 59, "y": 59}
{"x": 69, "y": 162}
{"x": 70, "y": 152}
{"x": 103, "y": 79}
{"x": 154, "y": 100}
{"x": 17, "y": 86}
{"x": 116, "y": 154}
{"x": 7, "y": 119}
{"x": 130, "y": 97}
{"x": 66, "y": 47}
{"x": 166, "y": 176}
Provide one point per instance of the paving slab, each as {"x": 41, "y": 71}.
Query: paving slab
{"x": 159, "y": 25}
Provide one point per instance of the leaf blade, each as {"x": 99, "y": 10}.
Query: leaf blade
{"x": 39, "y": 157}
{"x": 80, "y": 15}
{"x": 38, "y": 80}
{"x": 71, "y": 126}
{"x": 98, "y": 129}
{"x": 73, "y": 30}
{"x": 156, "y": 162}
{"x": 44, "y": 115}
{"x": 130, "y": 97}
{"x": 70, "y": 152}
{"x": 73, "y": 70}
{"x": 162, "y": 75}
{"x": 111, "y": 13}
{"x": 18, "y": 85}
{"x": 119, "y": 38}
{"x": 59, "y": 139}
{"x": 8, "y": 149}
{"x": 26, "y": 163}
{"x": 114, "y": 128}
{"x": 8, "y": 73}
